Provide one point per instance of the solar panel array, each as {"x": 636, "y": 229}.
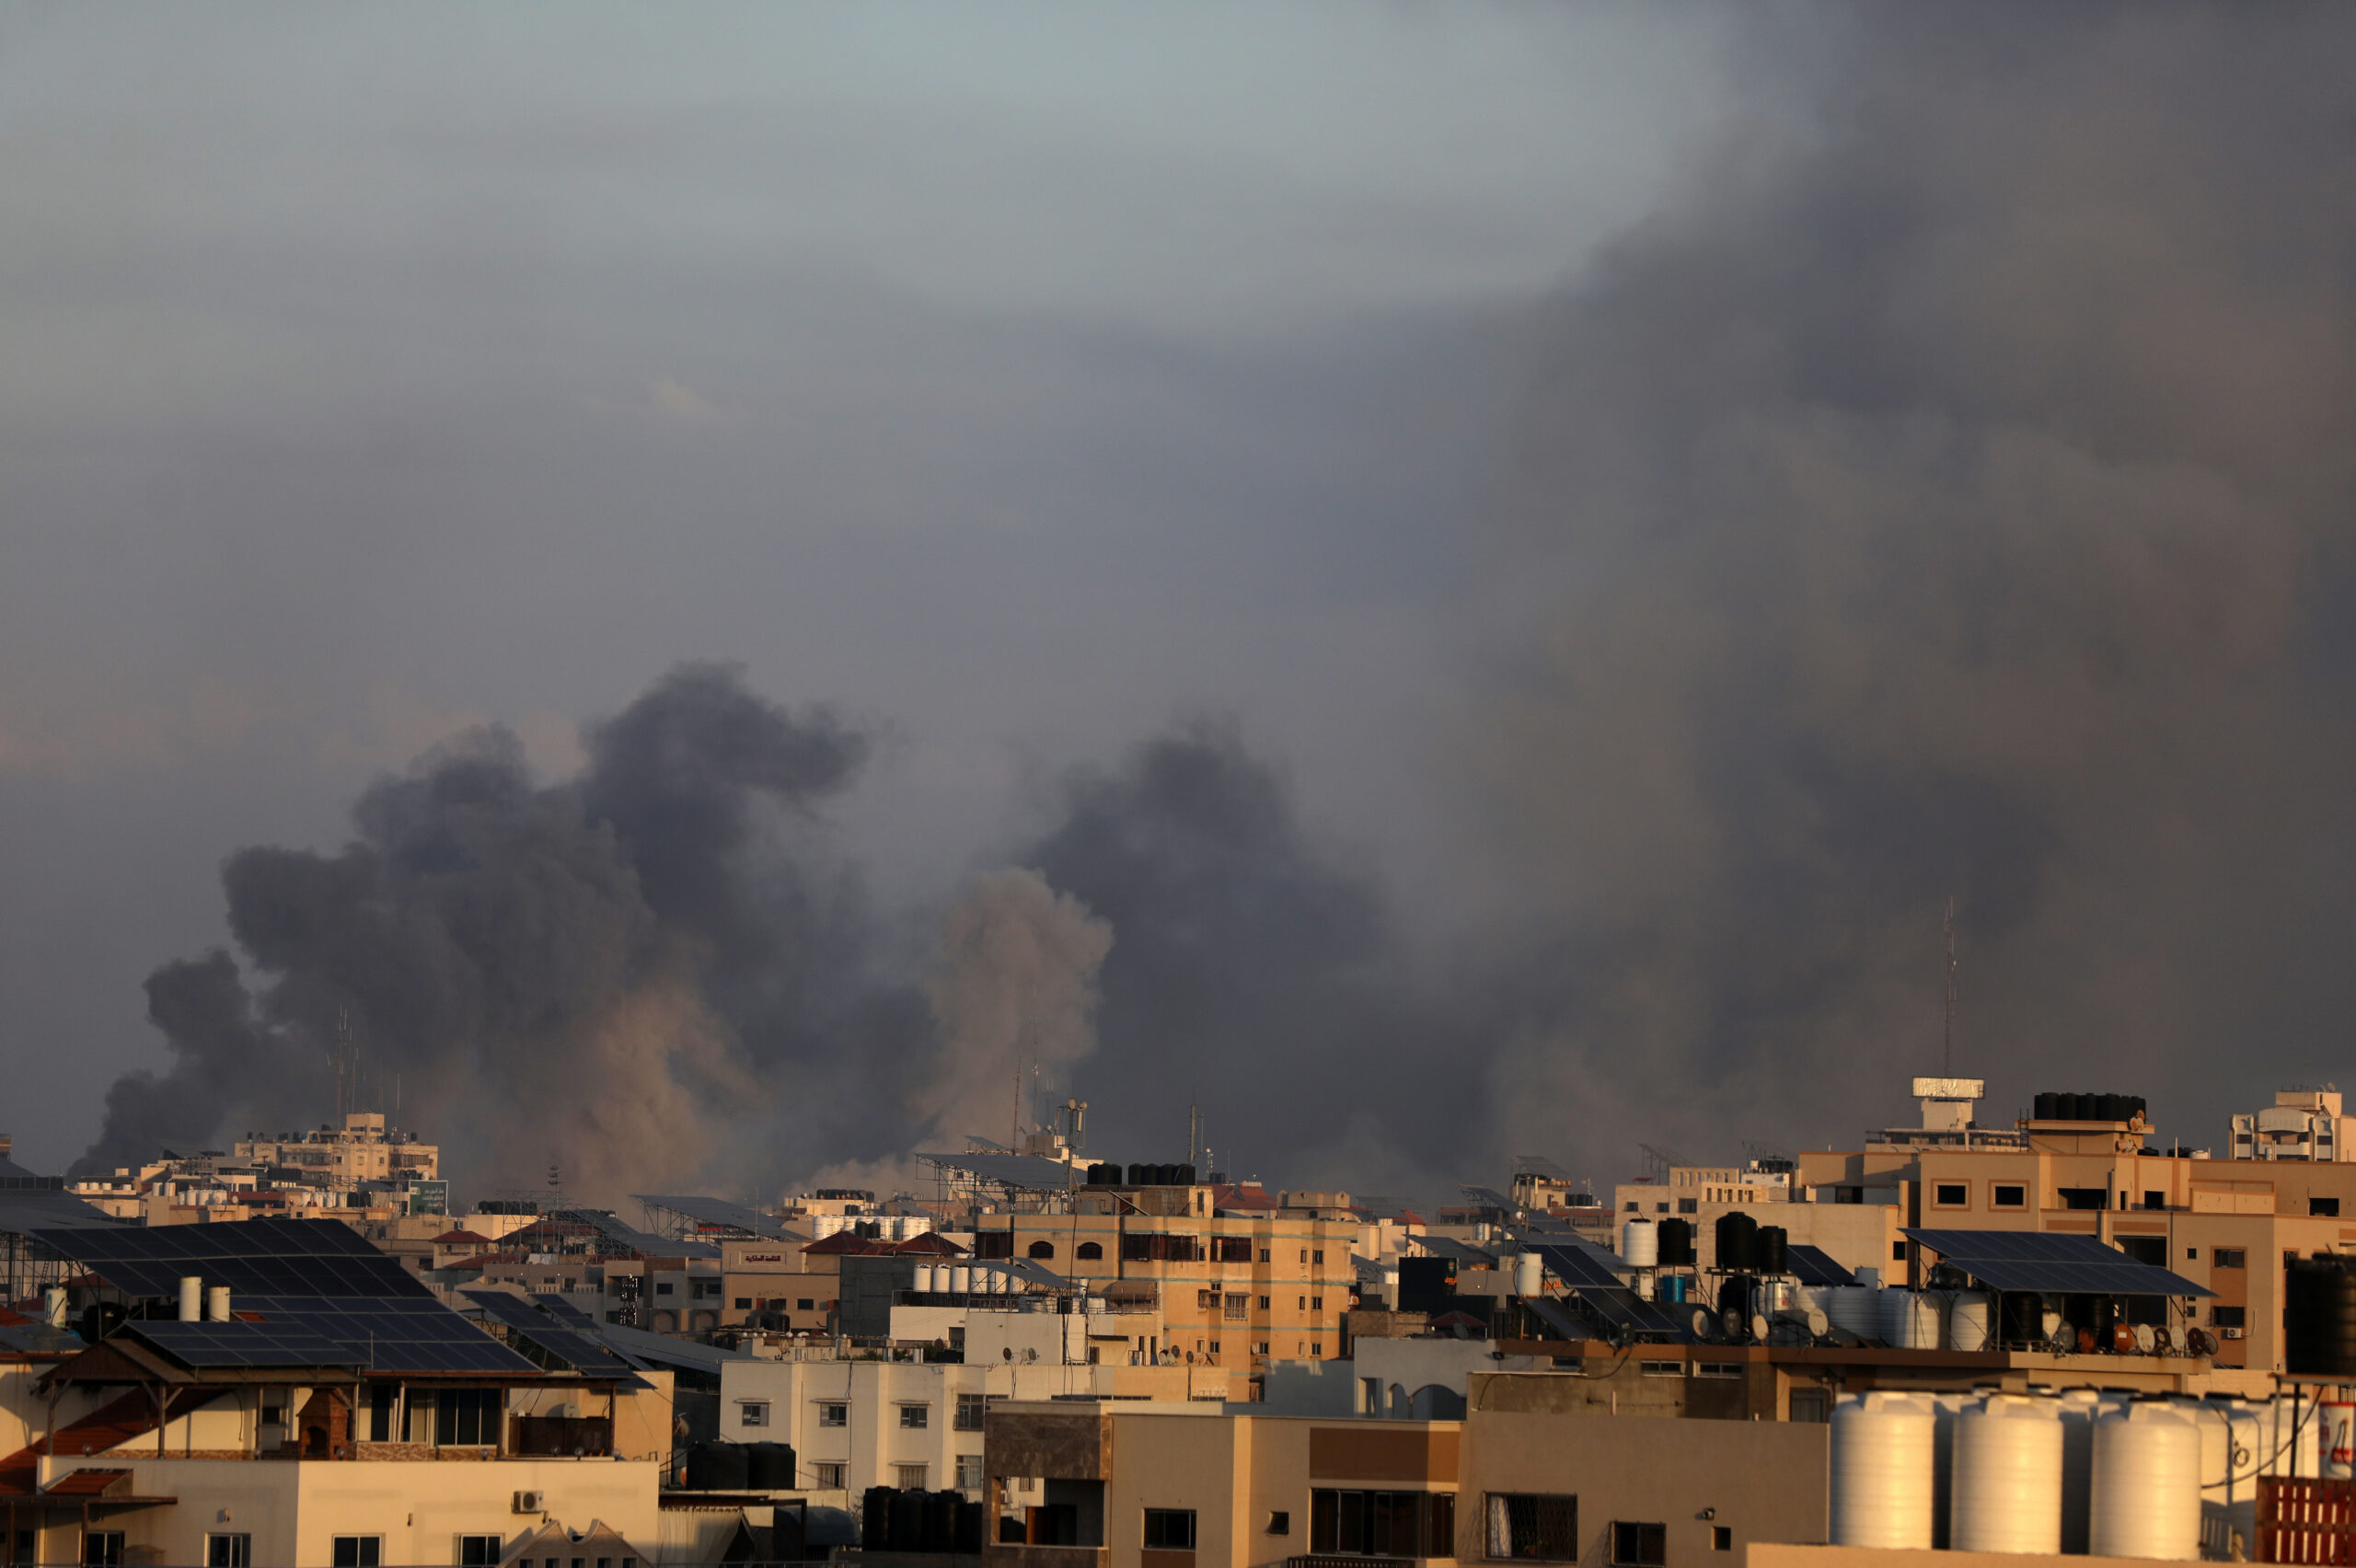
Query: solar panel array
{"x": 722, "y": 1213}
{"x": 252, "y": 1257}
{"x": 2043, "y": 1261}
{"x": 577, "y": 1348}
{"x": 1588, "y": 1271}
{"x": 1813, "y": 1265}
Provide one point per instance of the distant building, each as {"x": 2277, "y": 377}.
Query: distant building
{"x": 2301, "y": 1123}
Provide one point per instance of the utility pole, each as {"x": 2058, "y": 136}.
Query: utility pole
{"x": 1946, "y": 1024}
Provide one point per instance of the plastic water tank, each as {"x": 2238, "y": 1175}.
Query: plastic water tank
{"x": 2007, "y": 1476}
{"x": 1768, "y": 1248}
{"x": 1529, "y": 1275}
{"x": 2146, "y": 1496}
{"x": 1640, "y": 1244}
{"x": 2335, "y": 1438}
{"x": 2080, "y": 1409}
{"x": 1868, "y": 1277}
{"x": 1883, "y": 1461}
{"x": 1737, "y": 1238}
{"x": 1969, "y": 1315}
{"x": 961, "y": 1279}
{"x": 1909, "y": 1320}
{"x": 924, "y": 1279}
{"x": 1854, "y": 1309}
{"x": 1676, "y": 1239}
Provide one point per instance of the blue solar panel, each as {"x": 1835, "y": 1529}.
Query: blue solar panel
{"x": 578, "y": 1349}
{"x": 264, "y": 1257}
{"x": 1812, "y": 1266}
{"x": 2047, "y": 1262}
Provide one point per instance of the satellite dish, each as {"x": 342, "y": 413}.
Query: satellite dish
{"x": 1731, "y": 1321}
{"x": 1701, "y": 1324}
{"x": 1759, "y": 1327}
{"x": 2146, "y": 1340}
{"x": 1007, "y": 1350}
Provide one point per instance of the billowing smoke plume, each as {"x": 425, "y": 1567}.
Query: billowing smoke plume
{"x": 1013, "y": 987}
{"x": 619, "y": 974}
{"x": 1950, "y": 493}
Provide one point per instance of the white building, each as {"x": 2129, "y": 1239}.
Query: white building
{"x": 2301, "y": 1123}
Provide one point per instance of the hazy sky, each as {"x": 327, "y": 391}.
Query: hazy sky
{"x": 1514, "y": 556}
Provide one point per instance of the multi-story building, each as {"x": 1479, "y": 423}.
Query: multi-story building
{"x": 1234, "y": 1289}
{"x": 2301, "y": 1123}
{"x": 362, "y": 1149}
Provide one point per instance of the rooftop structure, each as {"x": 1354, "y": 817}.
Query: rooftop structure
{"x": 2301, "y": 1123}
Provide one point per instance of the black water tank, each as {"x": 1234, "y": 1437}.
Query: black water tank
{"x": 2024, "y": 1319}
{"x": 970, "y": 1525}
{"x": 1768, "y": 1249}
{"x": 875, "y": 1518}
{"x": 718, "y": 1467}
{"x": 1137, "y": 1177}
{"x": 1737, "y": 1236}
{"x": 1185, "y": 1175}
{"x": 908, "y": 1521}
{"x": 789, "y": 1533}
{"x": 2319, "y": 1319}
{"x": 2043, "y": 1108}
{"x": 1734, "y": 1293}
{"x": 940, "y": 1521}
{"x": 770, "y": 1468}
{"x": 2134, "y": 1104}
{"x": 1675, "y": 1239}
{"x": 2114, "y": 1108}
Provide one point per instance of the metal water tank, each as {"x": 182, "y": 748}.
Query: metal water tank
{"x": 1969, "y": 1316}
{"x": 2334, "y": 1438}
{"x": 1640, "y": 1244}
{"x": 1909, "y": 1320}
{"x": 2007, "y": 1476}
{"x": 1883, "y": 1460}
{"x": 1529, "y": 1275}
{"x": 2146, "y": 1495}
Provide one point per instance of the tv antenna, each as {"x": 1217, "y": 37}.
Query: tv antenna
{"x": 1946, "y": 1021}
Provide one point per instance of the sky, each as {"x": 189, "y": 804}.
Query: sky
{"x": 1445, "y": 581}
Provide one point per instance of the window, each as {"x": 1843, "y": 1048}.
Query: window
{"x": 463, "y": 1418}
{"x": 1639, "y": 1544}
{"x": 969, "y": 1472}
{"x": 1382, "y": 1524}
{"x": 359, "y": 1551}
{"x": 1040, "y": 1250}
{"x": 1316, "y": 1347}
{"x": 1263, "y": 1255}
{"x": 1280, "y": 1523}
{"x": 1951, "y": 1194}
{"x": 1234, "y": 1249}
{"x": 753, "y": 1412}
{"x": 1685, "y": 1205}
{"x": 1811, "y": 1405}
{"x": 969, "y": 1413}
{"x": 478, "y": 1551}
{"x": 915, "y": 1417}
{"x": 102, "y": 1549}
{"x": 662, "y": 1288}
{"x": 1264, "y": 1304}
{"x": 1661, "y": 1208}
{"x": 1718, "y": 1369}
{"x": 1088, "y": 1251}
{"x": 803, "y": 1304}
{"x": 1259, "y": 1347}
{"x": 1317, "y": 1304}
{"x": 380, "y": 1412}
{"x": 832, "y": 1414}
{"x": 1170, "y": 1529}
{"x": 1304, "y": 1255}
{"x": 909, "y": 1478}
{"x": 2154, "y": 1199}
{"x": 1721, "y": 1537}
{"x": 1235, "y": 1307}
{"x": 1898, "y": 1251}
{"x": 1634, "y": 1206}
{"x": 238, "y": 1552}
{"x": 2229, "y": 1257}
{"x": 2008, "y": 1195}
{"x": 2324, "y": 1208}
{"x": 2084, "y": 1197}
{"x": 1300, "y": 1304}
{"x": 743, "y": 1304}
{"x": 994, "y": 1244}
{"x": 829, "y": 1477}
{"x": 1534, "y": 1527}
{"x": 2228, "y": 1317}
{"x": 1317, "y": 1256}
{"x": 1660, "y": 1369}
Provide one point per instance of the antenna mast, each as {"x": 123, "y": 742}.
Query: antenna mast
{"x": 1946, "y": 1022}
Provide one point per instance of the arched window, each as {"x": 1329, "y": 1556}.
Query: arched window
{"x": 1040, "y": 1250}
{"x": 1089, "y": 1249}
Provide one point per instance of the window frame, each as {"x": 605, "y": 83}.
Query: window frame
{"x": 835, "y": 1413}
{"x": 977, "y": 1406}
{"x": 751, "y": 1412}
{"x": 829, "y": 1474}
{"x": 2229, "y": 1257}
{"x": 1638, "y": 1543}
{"x": 1962, "y": 1191}
{"x": 1172, "y": 1523}
{"x": 1996, "y": 1191}
{"x": 1561, "y": 1532}
{"x": 368, "y": 1551}
{"x": 239, "y": 1549}
{"x": 915, "y": 1415}
{"x": 102, "y": 1549}
{"x": 489, "y": 1549}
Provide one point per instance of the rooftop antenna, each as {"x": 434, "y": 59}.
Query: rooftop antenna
{"x": 1946, "y": 1024}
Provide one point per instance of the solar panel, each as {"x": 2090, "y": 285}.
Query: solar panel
{"x": 1813, "y": 1265}
{"x": 722, "y": 1213}
{"x": 264, "y": 1257}
{"x": 1583, "y": 1265}
{"x": 2044, "y": 1261}
{"x": 581, "y": 1351}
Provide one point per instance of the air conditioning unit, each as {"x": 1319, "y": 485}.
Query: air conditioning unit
{"x": 528, "y": 1503}
{"x": 2229, "y": 1333}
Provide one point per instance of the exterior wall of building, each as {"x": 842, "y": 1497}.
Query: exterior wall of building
{"x": 295, "y": 1511}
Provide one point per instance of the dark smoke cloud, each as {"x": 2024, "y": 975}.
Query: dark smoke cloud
{"x": 621, "y": 972}
{"x": 1950, "y": 493}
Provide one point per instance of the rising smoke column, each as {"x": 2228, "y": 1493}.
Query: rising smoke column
{"x": 622, "y": 971}
{"x": 1949, "y": 493}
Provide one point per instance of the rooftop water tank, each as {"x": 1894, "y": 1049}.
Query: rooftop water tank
{"x": 1640, "y": 1244}
{"x": 924, "y": 1279}
{"x": 1883, "y": 1458}
{"x": 1737, "y": 1236}
{"x": 2080, "y": 1409}
{"x": 2147, "y": 1497}
{"x": 2007, "y": 1476}
{"x": 1968, "y": 1320}
{"x": 1529, "y": 1275}
{"x": 1676, "y": 1237}
{"x": 1854, "y": 1309}
{"x": 1767, "y": 1250}
{"x": 961, "y": 1279}
{"x": 2319, "y": 1319}
{"x": 1909, "y": 1320}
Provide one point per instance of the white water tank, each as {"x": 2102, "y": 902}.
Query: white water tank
{"x": 1868, "y": 1277}
{"x": 1944, "y": 1408}
{"x": 1640, "y": 1244}
{"x": 2146, "y": 1498}
{"x": 191, "y": 1298}
{"x": 1909, "y": 1320}
{"x": 2335, "y": 1438}
{"x": 961, "y": 1279}
{"x": 1883, "y": 1460}
{"x": 1529, "y": 1273}
{"x": 54, "y": 1306}
{"x": 1854, "y": 1309}
{"x": 216, "y": 1303}
{"x": 924, "y": 1279}
{"x": 2080, "y": 1409}
{"x": 2008, "y": 1477}
{"x": 1969, "y": 1317}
